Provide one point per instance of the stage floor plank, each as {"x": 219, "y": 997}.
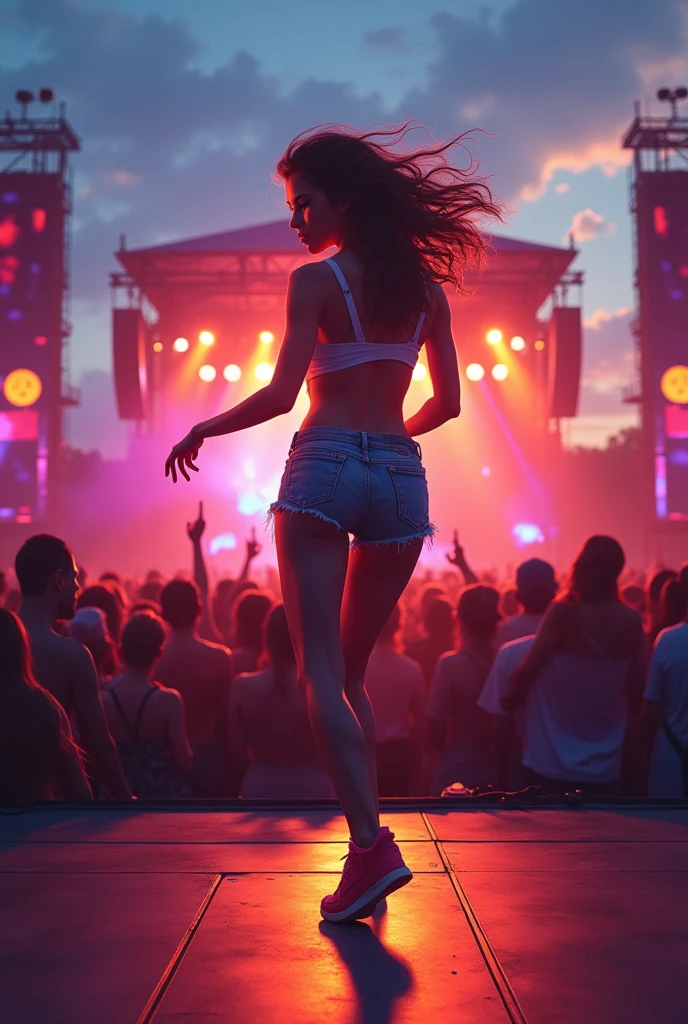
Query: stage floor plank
{"x": 538, "y": 916}
{"x": 262, "y": 952}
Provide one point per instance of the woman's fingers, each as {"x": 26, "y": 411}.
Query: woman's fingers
{"x": 182, "y": 468}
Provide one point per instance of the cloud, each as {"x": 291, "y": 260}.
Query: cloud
{"x": 393, "y": 40}
{"x": 562, "y": 187}
{"x": 587, "y": 224}
{"x": 609, "y": 362}
{"x": 170, "y": 151}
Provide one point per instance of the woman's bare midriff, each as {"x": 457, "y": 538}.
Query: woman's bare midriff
{"x": 367, "y": 397}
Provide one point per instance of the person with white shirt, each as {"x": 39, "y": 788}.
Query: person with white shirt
{"x": 396, "y": 688}
{"x": 665, "y": 713}
{"x": 583, "y": 673}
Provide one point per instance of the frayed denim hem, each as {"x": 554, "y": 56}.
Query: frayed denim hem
{"x": 427, "y": 535}
{"x": 277, "y": 505}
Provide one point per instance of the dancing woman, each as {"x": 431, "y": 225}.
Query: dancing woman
{"x": 402, "y": 224}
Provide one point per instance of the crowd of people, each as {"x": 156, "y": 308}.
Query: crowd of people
{"x": 158, "y": 689}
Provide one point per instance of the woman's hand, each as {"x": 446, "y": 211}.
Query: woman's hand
{"x": 184, "y": 454}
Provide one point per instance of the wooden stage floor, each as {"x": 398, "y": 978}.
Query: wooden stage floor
{"x": 210, "y": 913}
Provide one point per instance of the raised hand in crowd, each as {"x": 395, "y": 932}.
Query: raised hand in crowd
{"x": 459, "y": 560}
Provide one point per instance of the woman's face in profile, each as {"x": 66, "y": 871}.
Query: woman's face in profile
{"x": 318, "y": 222}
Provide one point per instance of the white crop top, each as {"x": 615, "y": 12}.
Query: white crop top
{"x": 339, "y": 356}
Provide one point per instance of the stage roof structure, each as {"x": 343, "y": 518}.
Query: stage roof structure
{"x": 257, "y": 260}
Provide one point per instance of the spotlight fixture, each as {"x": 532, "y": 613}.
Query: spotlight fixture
{"x": 232, "y": 373}
{"x": 518, "y": 343}
{"x": 673, "y": 96}
{"x": 474, "y": 371}
{"x": 500, "y": 371}
{"x": 264, "y": 372}
{"x": 539, "y": 345}
{"x": 23, "y": 98}
{"x": 207, "y": 373}
{"x": 180, "y": 345}
{"x": 267, "y": 337}
{"x": 157, "y": 346}
{"x": 494, "y": 336}
{"x": 206, "y": 337}
{"x": 419, "y": 372}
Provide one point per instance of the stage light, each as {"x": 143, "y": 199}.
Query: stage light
{"x": 223, "y": 542}
{"x": 494, "y": 336}
{"x": 267, "y": 337}
{"x": 232, "y": 373}
{"x": 180, "y": 345}
{"x": 22, "y": 387}
{"x": 474, "y": 371}
{"x": 518, "y": 343}
{"x": 264, "y": 371}
{"x": 207, "y": 373}
{"x": 500, "y": 371}
{"x": 419, "y": 372}
{"x": 486, "y": 471}
{"x": 527, "y": 533}
{"x": 206, "y": 337}
{"x": 157, "y": 346}
{"x": 539, "y": 344}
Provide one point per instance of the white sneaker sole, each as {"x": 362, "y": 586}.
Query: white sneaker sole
{"x": 367, "y": 901}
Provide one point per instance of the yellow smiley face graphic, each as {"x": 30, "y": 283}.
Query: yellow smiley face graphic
{"x": 674, "y": 385}
{"x": 23, "y": 387}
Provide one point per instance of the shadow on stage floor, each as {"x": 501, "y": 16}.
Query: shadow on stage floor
{"x": 205, "y": 912}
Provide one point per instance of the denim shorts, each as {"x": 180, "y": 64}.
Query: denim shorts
{"x": 372, "y": 486}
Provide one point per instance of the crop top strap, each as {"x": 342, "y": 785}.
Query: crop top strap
{"x": 348, "y": 298}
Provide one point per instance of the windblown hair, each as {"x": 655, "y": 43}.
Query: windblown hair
{"x": 33, "y": 726}
{"x": 410, "y": 216}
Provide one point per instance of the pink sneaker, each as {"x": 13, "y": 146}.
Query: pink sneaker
{"x": 368, "y": 876}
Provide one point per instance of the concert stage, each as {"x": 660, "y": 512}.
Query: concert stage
{"x": 211, "y": 913}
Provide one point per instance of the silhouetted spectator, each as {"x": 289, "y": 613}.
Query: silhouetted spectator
{"x": 438, "y": 624}
{"x": 147, "y": 720}
{"x": 397, "y": 689}
{"x": 38, "y": 757}
{"x": 666, "y": 712}
{"x": 458, "y": 558}
{"x": 536, "y": 588}
{"x": 269, "y": 731}
{"x": 99, "y": 595}
{"x": 202, "y": 672}
{"x": 653, "y": 603}
{"x": 47, "y": 575}
{"x": 89, "y": 627}
{"x": 673, "y": 604}
{"x": 467, "y": 756}
{"x": 249, "y": 616}
{"x": 508, "y": 602}
{"x": 633, "y": 596}
{"x": 582, "y": 673}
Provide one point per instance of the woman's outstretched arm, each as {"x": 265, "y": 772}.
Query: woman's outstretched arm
{"x": 305, "y": 297}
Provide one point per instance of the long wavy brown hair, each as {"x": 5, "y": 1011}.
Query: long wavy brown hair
{"x": 32, "y": 725}
{"x": 411, "y": 216}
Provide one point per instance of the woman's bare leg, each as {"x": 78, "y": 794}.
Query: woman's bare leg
{"x": 313, "y": 557}
{"x": 375, "y": 581}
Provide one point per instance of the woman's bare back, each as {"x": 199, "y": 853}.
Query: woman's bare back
{"x": 369, "y": 396}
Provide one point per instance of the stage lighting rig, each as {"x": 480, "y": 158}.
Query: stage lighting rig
{"x": 500, "y": 371}
{"x": 475, "y": 372}
{"x": 206, "y": 338}
{"x": 180, "y": 345}
{"x": 494, "y": 336}
{"x": 673, "y": 96}
{"x": 207, "y": 373}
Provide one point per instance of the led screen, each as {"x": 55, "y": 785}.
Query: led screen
{"x": 31, "y": 222}
{"x": 663, "y": 283}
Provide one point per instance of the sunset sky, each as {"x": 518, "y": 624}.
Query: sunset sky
{"x": 183, "y": 109}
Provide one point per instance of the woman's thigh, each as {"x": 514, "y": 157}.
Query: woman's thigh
{"x": 313, "y": 556}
